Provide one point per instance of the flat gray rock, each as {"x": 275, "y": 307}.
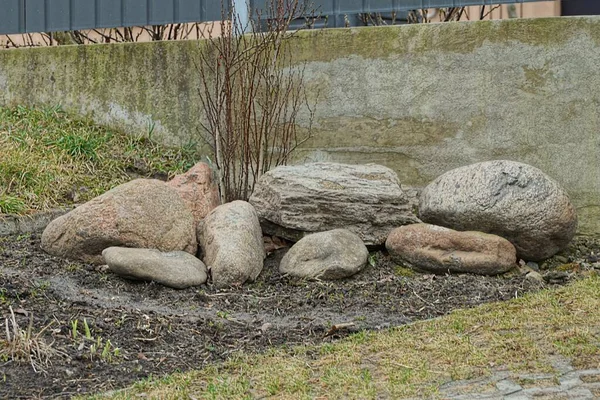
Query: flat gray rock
{"x": 232, "y": 244}
{"x": 176, "y": 269}
{"x": 293, "y": 201}
{"x": 506, "y": 198}
{"x": 334, "y": 254}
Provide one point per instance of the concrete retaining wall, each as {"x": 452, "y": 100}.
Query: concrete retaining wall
{"x": 420, "y": 99}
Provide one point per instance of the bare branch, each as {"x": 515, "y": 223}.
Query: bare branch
{"x": 251, "y": 95}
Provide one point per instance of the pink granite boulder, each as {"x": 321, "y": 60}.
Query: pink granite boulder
{"x": 143, "y": 213}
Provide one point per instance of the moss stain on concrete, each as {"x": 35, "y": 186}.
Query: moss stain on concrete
{"x": 536, "y": 78}
{"x": 455, "y": 37}
{"x": 372, "y": 132}
{"x": 98, "y": 81}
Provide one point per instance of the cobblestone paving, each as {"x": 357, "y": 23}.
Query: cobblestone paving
{"x": 565, "y": 383}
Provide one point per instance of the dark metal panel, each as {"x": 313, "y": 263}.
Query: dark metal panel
{"x": 161, "y": 12}
{"x": 377, "y": 6}
{"x": 51, "y": 15}
{"x": 58, "y": 15}
{"x": 35, "y": 15}
{"x": 108, "y": 14}
{"x": 480, "y": 2}
{"x": 189, "y": 10}
{"x": 325, "y": 6}
{"x": 356, "y": 6}
{"x": 83, "y": 14}
{"x": 212, "y": 10}
{"x": 580, "y": 7}
{"x": 135, "y": 12}
{"x": 12, "y": 17}
{"x": 415, "y": 4}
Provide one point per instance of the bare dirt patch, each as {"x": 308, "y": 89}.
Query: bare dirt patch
{"x": 158, "y": 330}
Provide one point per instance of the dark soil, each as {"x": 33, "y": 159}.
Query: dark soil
{"x": 160, "y": 330}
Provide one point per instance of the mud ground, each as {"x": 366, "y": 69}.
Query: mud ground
{"x": 158, "y": 330}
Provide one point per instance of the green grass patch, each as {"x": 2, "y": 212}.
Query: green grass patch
{"x": 401, "y": 270}
{"x": 409, "y": 361}
{"x": 50, "y": 158}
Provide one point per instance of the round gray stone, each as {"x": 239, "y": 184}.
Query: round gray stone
{"x": 506, "y": 198}
{"x": 334, "y": 254}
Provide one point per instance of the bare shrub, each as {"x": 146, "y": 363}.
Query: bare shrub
{"x": 251, "y": 94}
{"x": 427, "y": 15}
{"x": 108, "y": 35}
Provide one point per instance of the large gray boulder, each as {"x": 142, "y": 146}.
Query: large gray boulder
{"x": 143, "y": 213}
{"x": 334, "y": 254}
{"x": 293, "y": 201}
{"x": 176, "y": 269}
{"x": 232, "y": 243}
{"x": 441, "y": 250}
{"x": 509, "y": 199}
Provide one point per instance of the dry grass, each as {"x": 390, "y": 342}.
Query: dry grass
{"x": 414, "y": 360}
{"x": 21, "y": 345}
{"x": 50, "y": 158}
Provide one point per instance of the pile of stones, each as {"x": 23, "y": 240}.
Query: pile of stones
{"x": 482, "y": 219}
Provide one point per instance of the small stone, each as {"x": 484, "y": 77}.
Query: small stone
{"x": 561, "y": 259}
{"x": 533, "y": 265}
{"x": 102, "y": 268}
{"x": 554, "y": 276}
{"x": 535, "y": 277}
{"x": 334, "y": 254}
{"x": 176, "y": 269}
{"x": 441, "y": 250}
{"x": 593, "y": 258}
{"x": 524, "y": 270}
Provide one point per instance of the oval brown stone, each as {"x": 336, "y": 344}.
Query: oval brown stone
{"x": 442, "y": 250}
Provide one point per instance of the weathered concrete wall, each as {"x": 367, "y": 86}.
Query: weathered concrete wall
{"x": 419, "y": 99}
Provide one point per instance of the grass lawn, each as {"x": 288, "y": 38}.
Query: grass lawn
{"x": 50, "y": 158}
{"x": 412, "y": 360}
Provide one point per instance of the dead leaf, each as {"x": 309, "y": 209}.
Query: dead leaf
{"x": 272, "y": 243}
{"x": 22, "y": 312}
